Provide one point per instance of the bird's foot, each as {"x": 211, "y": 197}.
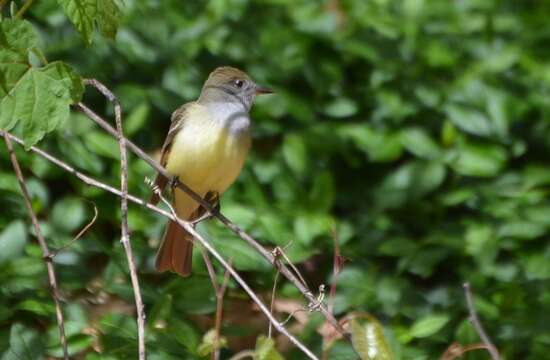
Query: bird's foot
{"x": 214, "y": 200}
{"x": 173, "y": 181}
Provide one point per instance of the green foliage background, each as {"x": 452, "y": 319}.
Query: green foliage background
{"x": 417, "y": 129}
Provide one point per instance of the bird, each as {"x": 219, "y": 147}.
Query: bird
{"x": 205, "y": 148}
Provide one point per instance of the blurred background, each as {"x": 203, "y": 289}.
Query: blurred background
{"x": 414, "y": 131}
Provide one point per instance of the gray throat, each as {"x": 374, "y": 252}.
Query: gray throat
{"x": 231, "y": 115}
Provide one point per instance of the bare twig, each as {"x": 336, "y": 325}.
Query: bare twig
{"x": 24, "y": 8}
{"x": 280, "y": 327}
{"x": 285, "y": 271}
{"x": 477, "y": 324}
{"x": 273, "y": 293}
{"x": 337, "y": 265}
{"x": 45, "y": 250}
{"x": 80, "y": 233}
{"x": 124, "y": 214}
{"x": 219, "y": 314}
{"x": 219, "y": 292}
{"x": 243, "y": 354}
{"x": 456, "y": 350}
{"x": 93, "y": 182}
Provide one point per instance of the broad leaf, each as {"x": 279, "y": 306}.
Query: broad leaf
{"x": 12, "y": 241}
{"x": 265, "y": 349}
{"x": 428, "y": 325}
{"x": 208, "y": 344}
{"x": 40, "y": 100}
{"x": 108, "y": 17}
{"x": 17, "y": 35}
{"x": 82, "y": 14}
{"x": 16, "y": 39}
{"x": 25, "y": 344}
{"x": 369, "y": 341}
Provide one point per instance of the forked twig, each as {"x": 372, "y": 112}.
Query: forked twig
{"x": 80, "y": 233}
{"x": 229, "y": 269}
{"x": 474, "y": 320}
{"x": 125, "y": 235}
{"x": 285, "y": 271}
{"x": 273, "y": 292}
{"x": 170, "y": 215}
{"x": 45, "y": 250}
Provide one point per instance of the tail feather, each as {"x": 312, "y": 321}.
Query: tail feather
{"x": 176, "y": 251}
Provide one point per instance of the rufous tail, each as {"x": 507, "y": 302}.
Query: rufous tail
{"x": 176, "y": 251}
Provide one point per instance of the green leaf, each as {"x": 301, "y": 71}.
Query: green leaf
{"x": 537, "y": 267}
{"x": 17, "y": 35}
{"x": 37, "y": 307}
{"x": 418, "y": 142}
{"x": 25, "y": 344}
{"x": 12, "y": 241}
{"x": 380, "y": 145}
{"x": 68, "y": 214}
{"x": 469, "y": 120}
{"x": 136, "y": 119}
{"x": 185, "y": 334}
{"x": 243, "y": 256}
{"x": 82, "y": 14}
{"x": 295, "y": 153}
{"x": 482, "y": 160}
{"x": 369, "y": 341}
{"x": 322, "y": 192}
{"x": 428, "y": 325}
{"x": 40, "y": 100}
{"x": 208, "y": 345}
{"x": 108, "y": 17}
{"x": 341, "y": 108}
{"x": 265, "y": 349}
{"x": 102, "y": 144}
{"x": 310, "y": 225}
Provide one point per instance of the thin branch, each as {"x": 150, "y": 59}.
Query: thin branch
{"x": 477, "y": 324}
{"x": 93, "y": 182}
{"x": 337, "y": 265}
{"x": 273, "y": 292}
{"x": 285, "y": 271}
{"x": 23, "y": 9}
{"x": 219, "y": 315}
{"x": 220, "y": 293}
{"x": 45, "y": 250}
{"x": 80, "y": 233}
{"x": 124, "y": 215}
{"x": 456, "y": 350}
{"x": 243, "y": 354}
{"x": 280, "y": 327}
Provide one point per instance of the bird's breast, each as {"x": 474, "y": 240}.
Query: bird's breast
{"x": 206, "y": 154}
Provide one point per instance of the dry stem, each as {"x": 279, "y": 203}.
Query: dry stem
{"x": 93, "y": 182}
{"x": 125, "y": 235}
{"x": 285, "y": 271}
{"x": 45, "y": 250}
{"x": 477, "y": 324}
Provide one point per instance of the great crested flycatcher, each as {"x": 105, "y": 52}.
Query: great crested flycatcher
{"x": 205, "y": 148}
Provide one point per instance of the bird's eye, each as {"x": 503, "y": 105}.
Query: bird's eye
{"x": 238, "y": 83}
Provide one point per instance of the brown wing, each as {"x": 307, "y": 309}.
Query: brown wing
{"x": 178, "y": 118}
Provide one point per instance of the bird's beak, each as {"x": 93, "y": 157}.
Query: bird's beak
{"x": 260, "y": 90}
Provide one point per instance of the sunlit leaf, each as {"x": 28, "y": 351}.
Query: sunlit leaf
{"x": 82, "y": 14}
{"x": 40, "y": 100}
{"x": 368, "y": 339}
{"x": 265, "y": 349}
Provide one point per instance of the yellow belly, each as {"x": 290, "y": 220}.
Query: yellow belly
{"x": 206, "y": 157}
